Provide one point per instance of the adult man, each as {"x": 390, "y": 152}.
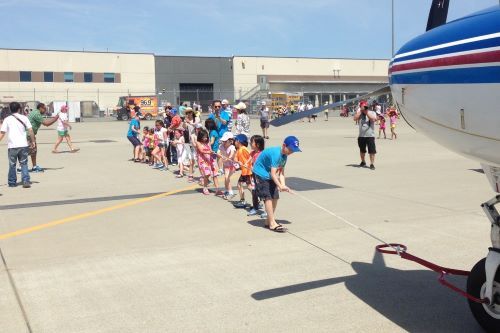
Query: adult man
{"x": 265, "y": 117}
{"x": 221, "y": 118}
{"x": 366, "y": 138}
{"x": 269, "y": 171}
{"x": 227, "y": 109}
{"x": 36, "y": 119}
{"x": 134, "y": 129}
{"x": 17, "y": 125}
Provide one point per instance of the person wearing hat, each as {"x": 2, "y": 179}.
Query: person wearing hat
{"x": 226, "y": 153}
{"x": 269, "y": 171}
{"x": 366, "y": 139}
{"x": 243, "y": 120}
{"x": 227, "y": 109}
{"x": 265, "y": 117}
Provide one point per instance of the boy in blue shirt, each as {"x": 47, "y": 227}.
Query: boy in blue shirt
{"x": 269, "y": 171}
{"x": 134, "y": 129}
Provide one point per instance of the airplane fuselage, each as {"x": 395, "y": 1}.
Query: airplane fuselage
{"x": 446, "y": 83}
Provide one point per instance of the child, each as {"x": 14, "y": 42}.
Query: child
{"x": 244, "y": 160}
{"x": 381, "y": 126}
{"x": 243, "y": 120}
{"x": 213, "y": 133}
{"x": 227, "y": 152}
{"x": 183, "y": 158}
{"x": 62, "y": 130}
{"x": 153, "y": 143}
{"x": 393, "y": 115}
{"x": 257, "y": 143}
{"x": 269, "y": 170}
{"x": 206, "y": 162}
{"x": 146, "y": 153}
{"x": 159, "y": 151}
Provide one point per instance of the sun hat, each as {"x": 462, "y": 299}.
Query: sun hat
{"x": 241, "y": 106}
{"x": 263, "y": 103}
{"x": 226, "y": 136}
{"x": 292, "y": 143}
{"x": 224, "y": 101}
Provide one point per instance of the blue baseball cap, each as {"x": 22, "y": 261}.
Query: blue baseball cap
{"x": 292, "y": 143}
{"x": 242, "y": 138}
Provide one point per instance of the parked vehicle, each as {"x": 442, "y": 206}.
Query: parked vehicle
{"x": 148, "y": 104}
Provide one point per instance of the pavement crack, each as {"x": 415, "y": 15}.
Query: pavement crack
{"x": 16, "y": 292}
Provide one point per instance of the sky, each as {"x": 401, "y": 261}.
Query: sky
{"x": 296, "y": 28}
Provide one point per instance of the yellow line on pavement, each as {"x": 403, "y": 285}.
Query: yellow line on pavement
{"x": 91, "y": 213}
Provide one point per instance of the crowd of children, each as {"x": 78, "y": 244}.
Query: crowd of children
{"x": 213, "y": 153}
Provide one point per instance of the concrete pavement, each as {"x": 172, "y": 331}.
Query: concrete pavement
{"x": 185, "y": 262}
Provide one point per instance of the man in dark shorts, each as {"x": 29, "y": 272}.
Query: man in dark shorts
{"x": 264, "y": 119}
{"x": 269, "y": 171}
{"x": 366, "y": 138}
{"x": 134, "y": 129}
{"x": 36, "y": 119}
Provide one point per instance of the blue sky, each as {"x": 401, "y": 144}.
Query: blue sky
{"x": 308, "y": 28}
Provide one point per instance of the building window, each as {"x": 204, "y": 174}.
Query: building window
{"x": 109, "y": 77}
{"x": 87, "y": 77}
{"x": 68, "y": 77}
{"x": 48, "y": 76}
{"x": 25, "y": 76}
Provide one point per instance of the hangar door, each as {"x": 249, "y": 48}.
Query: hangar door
{"x": 202, "y": 93}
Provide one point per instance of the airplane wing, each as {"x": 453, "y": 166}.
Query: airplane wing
{"x": 299, "y": 115}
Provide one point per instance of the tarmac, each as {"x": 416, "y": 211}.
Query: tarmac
{"x": 102, "y": 244}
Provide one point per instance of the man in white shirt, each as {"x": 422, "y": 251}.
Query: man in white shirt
{"x": 16, "y": 126}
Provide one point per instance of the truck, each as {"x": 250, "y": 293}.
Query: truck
{"x": 148, "y": 104}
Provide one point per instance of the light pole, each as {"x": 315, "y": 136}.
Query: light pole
{"x": 392, "y": 26}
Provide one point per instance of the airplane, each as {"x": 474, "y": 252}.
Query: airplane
{"x": 446, "y": 84}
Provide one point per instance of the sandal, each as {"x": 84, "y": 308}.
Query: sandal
{"x": 179, "y": 176}
{"x": 206, "y": 191}
{"x": 278, "y": 228}
{"x": 75, "y": 150}
{"x": 190, "y": 178}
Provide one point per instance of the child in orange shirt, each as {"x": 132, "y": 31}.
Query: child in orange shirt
{"x": 244, "y": 160}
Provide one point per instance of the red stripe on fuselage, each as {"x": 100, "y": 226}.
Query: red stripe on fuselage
{"x": 465, "y": 59}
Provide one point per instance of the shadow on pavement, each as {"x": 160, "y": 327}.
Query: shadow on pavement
{"x": 260, "y": 223}
{"x": 413, "y": 300}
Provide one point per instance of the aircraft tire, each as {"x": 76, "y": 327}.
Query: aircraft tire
{"x": 487, "y": 317}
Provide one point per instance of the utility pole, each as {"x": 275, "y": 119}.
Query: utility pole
{"x": 392, "y": 26}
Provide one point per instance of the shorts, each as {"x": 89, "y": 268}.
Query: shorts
{"x": 266, "y": 189}
{"x": 393, "y": 125}
{"x": 264, "y": 123}
{"x": 62, "y": 133}
{"x": 161, "y": 145}
{"x": 367, "y": 142}
{"x": 134, "y": 141}
{"x": 248, "y": 179}
{"x": 32, "y": 149}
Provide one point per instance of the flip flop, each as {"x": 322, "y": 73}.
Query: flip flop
{"x": 278, "y": 228}
{"x": 75, "y": 150}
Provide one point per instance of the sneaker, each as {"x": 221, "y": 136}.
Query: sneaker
{"x": 362, "y": 164}
{"x": 12, "y": 185}
{"x": 158, "y": 166}
{"x": 37, "y": 168}
{"x": 263, "y": 215}
{"x": 240, "y": 204}
{"x": 252, "y": 212}
{"x": 372, "y": 167}
{"x": 26, "y": 184}
{"x": 261, "y": 205}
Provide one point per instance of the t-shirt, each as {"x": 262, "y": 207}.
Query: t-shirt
{"x": 133, "y": 123}
{"x": 160, "y": 135}
{"x": 367, "y": 126}
{"x": 16, "y": 130}
{"x": 220, "y": 126}
{"x": 215, "y": 145}
{"x": 182, "y": 110}
{"x": 269, "y": 158}
{"x": 63, "y": 116}
{"x": 243, "y": 158}
{"x": 243, "y": 124}
{"x": 36, "y": 119}
{"x": 264, "y": 114}
{"x": 226, "y": 152}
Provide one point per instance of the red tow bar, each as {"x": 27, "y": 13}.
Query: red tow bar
{"x": 400, "y": 250}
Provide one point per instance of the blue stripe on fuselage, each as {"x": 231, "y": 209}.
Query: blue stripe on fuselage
{"x": 490, "y": 74}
